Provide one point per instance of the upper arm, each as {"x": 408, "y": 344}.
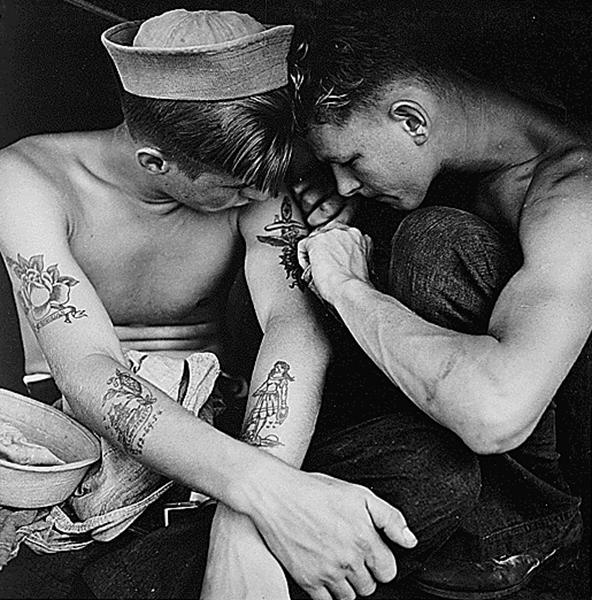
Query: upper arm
{"x": 543, "y": 317}
{"x": 271, "y": 230}
{"x": 57, "y": 298}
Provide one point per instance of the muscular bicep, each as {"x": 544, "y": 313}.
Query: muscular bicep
{"x": 543, "y": 317}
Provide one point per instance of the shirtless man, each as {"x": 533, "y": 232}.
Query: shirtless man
{"x": 129, "y": 239}
{"x": 486, "y": 305}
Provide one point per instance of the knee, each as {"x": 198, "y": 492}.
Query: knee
{"x": 448, "y": 234}
{"x": 443, "y": 221}
{"x": 449, "y": 266}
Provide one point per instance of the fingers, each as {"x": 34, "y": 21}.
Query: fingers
{"x": 390, "y": 521}
{"x": 355, "y": 582}
{"x": 362, "y": 581}
{"x": 302, "y": 253}
{"x": 319, "y": 594}
{"x": 381, "y": 562}
{"x": 342, "y": 590}
{"x": 307, "y": 275}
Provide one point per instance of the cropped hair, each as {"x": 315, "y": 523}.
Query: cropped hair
{"x": 343, "y": 62}
{"x": 248, "y": 138}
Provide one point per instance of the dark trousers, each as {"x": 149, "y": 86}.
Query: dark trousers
{"x": 161, "y": 562}
{"x": 449, "y": 267}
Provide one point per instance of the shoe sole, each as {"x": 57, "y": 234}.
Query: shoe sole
{"x": 560, "y": 558}
{"x": 483, "y": 595}
{"x": 553, "y": 557}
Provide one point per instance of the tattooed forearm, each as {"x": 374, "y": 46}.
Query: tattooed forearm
{"x": 132, "y": 411}
{"x": 270, "y": 408}
{"x": 44, "y": 292}
{"x": 288, "y": 231}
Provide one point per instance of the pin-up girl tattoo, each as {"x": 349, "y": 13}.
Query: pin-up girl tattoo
{"x": 44, "y": 292}
{"x": 286, "y": 232}
{"x": 270, "y": 408}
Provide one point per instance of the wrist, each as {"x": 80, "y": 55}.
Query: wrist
{"x": 255, "y": 481}
{"x": 348, "y": 293}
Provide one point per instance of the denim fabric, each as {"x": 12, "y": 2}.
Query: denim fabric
{"x": 425, "y": 471}
{"x": 449, "y": 267}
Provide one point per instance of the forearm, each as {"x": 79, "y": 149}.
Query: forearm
{"x": 453, "y": 377}
{"x": 284, "y": 399}
{"x": 286, "y": 387}
{"x": 153, "y": 429}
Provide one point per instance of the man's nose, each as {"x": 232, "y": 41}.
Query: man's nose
{"x": 347, "y": 184}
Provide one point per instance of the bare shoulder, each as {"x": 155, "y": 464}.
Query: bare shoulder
{"x": 556, "y": 220}
{"x": 565, "y": 175}
{"x": 33, "y": 185}
{"x": 30, "y": 164}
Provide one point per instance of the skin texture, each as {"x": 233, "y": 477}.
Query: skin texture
{"x": 535, "y": 181}
{"x": 109, "y": 246}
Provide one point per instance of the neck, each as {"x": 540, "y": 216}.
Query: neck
{"x": 494, "y": 129}
{"x": 120, "y": 168}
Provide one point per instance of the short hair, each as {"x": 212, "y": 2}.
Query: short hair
{"x": 342, "y": 63}
{"x": 248, "y": 138}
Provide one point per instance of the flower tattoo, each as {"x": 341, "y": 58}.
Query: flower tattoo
{"x": 44, "y": 293}
{"x": 290, "y": 232}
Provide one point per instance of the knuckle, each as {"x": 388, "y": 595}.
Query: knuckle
{"x": 364, "y": 545}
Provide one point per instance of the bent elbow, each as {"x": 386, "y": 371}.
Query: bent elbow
{"x": 488, "y": 444}
{"x": 498, "y": 430}
{"x": 485, "y": 443}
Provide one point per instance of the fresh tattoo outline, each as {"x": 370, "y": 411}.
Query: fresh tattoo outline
{"x": 291, "y": 231}
{"x": 270, "y": 409}
{"x": 44, "y": 293}
{"x": 132, "y": 411}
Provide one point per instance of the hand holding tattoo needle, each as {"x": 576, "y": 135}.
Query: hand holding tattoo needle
{"x": 332, "y": 256}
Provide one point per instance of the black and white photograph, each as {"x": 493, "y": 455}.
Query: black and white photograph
{"x": 295, "y": 299}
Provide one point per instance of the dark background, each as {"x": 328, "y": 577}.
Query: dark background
{"x": 56, "y": 76}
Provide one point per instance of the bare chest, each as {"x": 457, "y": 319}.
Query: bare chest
{"x": 156, "y": 268}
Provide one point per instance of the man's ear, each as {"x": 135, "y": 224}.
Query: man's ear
{"x": 153, "y": 160}
{"x": 413, "y": 117}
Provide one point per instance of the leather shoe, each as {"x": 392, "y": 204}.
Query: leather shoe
{"x": 493, "y": 578}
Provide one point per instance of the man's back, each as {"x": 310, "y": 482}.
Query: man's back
{"x": 161, "y": 269}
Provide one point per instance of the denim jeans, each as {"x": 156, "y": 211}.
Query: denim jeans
{"x": 449, "y": 267}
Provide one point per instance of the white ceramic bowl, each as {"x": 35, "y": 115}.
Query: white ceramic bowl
{"x": 30, "y": 486}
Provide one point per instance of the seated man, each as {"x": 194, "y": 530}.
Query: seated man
{"x": 485, "y": 307}
{"x": 129, "y": 239}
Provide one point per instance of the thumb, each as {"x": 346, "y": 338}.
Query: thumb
{"x": 390, "y": 521}
{"x": 302, "y": 250}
